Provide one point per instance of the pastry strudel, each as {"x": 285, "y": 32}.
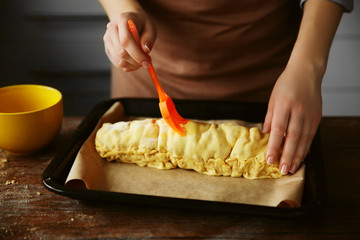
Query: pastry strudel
{"x": 221, "y": 149}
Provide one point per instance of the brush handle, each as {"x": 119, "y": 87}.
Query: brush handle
{"x": 151, "y": 70}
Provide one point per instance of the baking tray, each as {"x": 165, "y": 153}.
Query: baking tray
{"x": 54, "y": 176}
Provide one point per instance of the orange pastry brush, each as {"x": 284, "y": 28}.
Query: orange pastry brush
{"x": 166, "y": 105}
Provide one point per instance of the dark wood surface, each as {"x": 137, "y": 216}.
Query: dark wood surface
{"x": 29, "y": 211}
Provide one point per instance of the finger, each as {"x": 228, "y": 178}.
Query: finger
{"x": 302, "y": 148}
{"x": 118, "y": 54}
{"x": 148, "y": 37}
{"x": 124, "y": 56}
{"x": 267, "y": 121}
{"x": 109, "y": 50}
{"x": 122, "y": 60}
{"x": 131, "y": 46}
{"x": 307, "y": 149}
{"x": 112, "y": 31}
{"x": 120, "y": 63}
{"x": 292, "y": 138}
{"x": 126, "y": 66}
{"x": 278, "y": 128}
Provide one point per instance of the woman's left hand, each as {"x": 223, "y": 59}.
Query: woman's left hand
{"x": 293, "y": 116}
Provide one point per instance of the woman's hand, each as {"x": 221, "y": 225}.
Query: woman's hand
{"x": 293, "y": 116}
{"x": 295, "y": 106}
{"x": 121, "y": 48}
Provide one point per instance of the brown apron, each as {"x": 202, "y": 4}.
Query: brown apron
{"x": 215, "y": 49}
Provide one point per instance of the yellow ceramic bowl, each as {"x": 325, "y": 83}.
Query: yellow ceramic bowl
{"x": 30, "y": 117}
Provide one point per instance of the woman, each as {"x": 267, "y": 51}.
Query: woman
{"x": 264, "y": 51}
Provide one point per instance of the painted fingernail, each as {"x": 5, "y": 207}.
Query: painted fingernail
{"x": 293, "y": 168}
{"x": 147, "y": 46}
{"x": 145, "y": 63}
{"x": 270, "y": 160}
{"x": 284, "y": 169}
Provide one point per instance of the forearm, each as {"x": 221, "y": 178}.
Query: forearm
{"x": 113, "y": 8}
{"x": 318, "y": 27}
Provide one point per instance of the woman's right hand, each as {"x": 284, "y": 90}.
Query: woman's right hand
{"x": 121, "y": 48}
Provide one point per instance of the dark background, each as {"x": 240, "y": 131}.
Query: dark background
{"x": 56, "y": 43}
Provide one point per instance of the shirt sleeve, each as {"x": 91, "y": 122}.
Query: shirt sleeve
{"x": 348, "y": 5}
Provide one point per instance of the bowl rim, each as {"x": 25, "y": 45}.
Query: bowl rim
{"x": 36, "y": 110}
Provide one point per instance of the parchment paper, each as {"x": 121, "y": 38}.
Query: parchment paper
{"x": 92, "y": 172}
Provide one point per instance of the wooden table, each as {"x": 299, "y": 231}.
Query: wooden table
{"x": 29, "y": 211}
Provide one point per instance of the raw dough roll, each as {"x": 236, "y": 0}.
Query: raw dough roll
{"x": 221, "y": 149}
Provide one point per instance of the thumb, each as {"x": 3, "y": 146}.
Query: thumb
{"x": 148, "y": 38}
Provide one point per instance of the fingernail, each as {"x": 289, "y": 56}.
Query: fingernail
{"x": 270, "y": 160}
{"x": 293, "y": 168}
{"x": 145, "y": 63}
{"x": 284, "y": 169}
{"x": 147, "y": 46}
